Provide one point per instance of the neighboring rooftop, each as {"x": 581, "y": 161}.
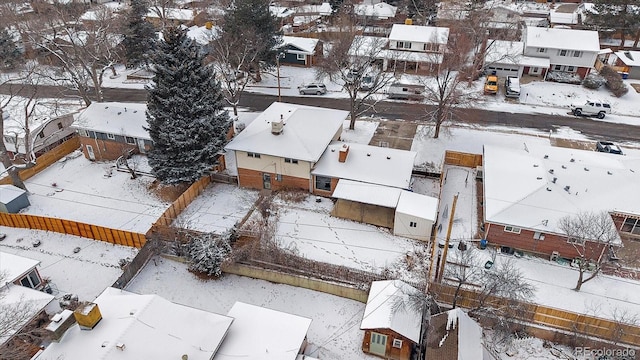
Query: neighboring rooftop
{"x": 145, "y": 327}
{"x": 628, "y": 57}
{"x": 30, "y": 302}
{"x": 259, "y": 333}
{"x": 453, "y": 335}
{"x": 380, "y": 10}
{"x": 13, "y": 267}
{"x": 365, "y": 193}
{"x": 389, "y": 307}
{"x": 566, "y": 39}
{"x": 307, "y": 45}
{"x": 418, "y": 205}
{"x": 419, "y": 34}
{"x": 127, "y": 119}
{"x": 306, "y": 133}
{"x": 369, "y": 164}
{"x": 520, "y": 185}
{"x": 9, "y": 193}
{"x": 503, "y": 52}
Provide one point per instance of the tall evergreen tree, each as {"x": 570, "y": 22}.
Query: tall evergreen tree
{"x": 10, "y": 54}
{"x": 252, "y": 21}
{"x": 185, "y": 115}
{"x": 139, "y": 35}
{"x": 621, "y": 16}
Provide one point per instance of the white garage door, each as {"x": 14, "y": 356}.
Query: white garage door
{"x": 502, "y": 71}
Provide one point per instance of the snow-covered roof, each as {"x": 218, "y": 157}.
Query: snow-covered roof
{"x": 520, "y": 189}
{"x": 535, "y": 62}
{"x": 323, "y": 9}
{"x": 389, "y": 307}
{"x": 418, "y": 205}
{"x": 369, "y": 164}
{"x": 307, "y": 45}
{"x": 259, "y": 333}
{"x": 367, "y": 46}
{"x": 202, "y": 35}
{"x": 9, "y": 193}
{"x": 172, "y": 14}
{"x": 422, "y": 34}
{"x": 564, "y": 14}
{"x": 307, "y": 132}
{"x": 629, "y": 58}
{"x": 367, "y": 193}
{"x": 30, "y": 301}
{"x": 466, "y": 341}
{"x": 125, "y": 119}
{"x": 280, "y": 11}
{"x": 565, "y": 39}
{"x": 13, "y": 267}
{"x": 380, "y": 10}
{"x": 503, "y": 52}
{"x": 149, "y": 326}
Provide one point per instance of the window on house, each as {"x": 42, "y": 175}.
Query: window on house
{"x": 562, "y": 53}
{"x": 631, "y": 225}
{"x": 538, "y": 235}
{"x": 111, "y": 136}
{"x": 413, "y": 224}
{"x": 130, "y": 140}
{"x": 512, "y": 229}
{"x": 577, "y": 54}
{"x": 60, "y": 125}
{"x": 542, "y": 50}
{"x": 301, "y": 57}
{"x": 83, "y": 132}
{"x": 323, "y": 183}
{"x": 31, "y": 281}
{"x": 397, "y": 343}
{"x": 575, "y": 241}
{"x": 407, "y": 45}
{"x": 41, "y": 135}
{"x": 9, "y": 139}
{"x": 571, "y": 68}
{"x": 400, "y": 44}
{"x": 253, "y": 155}
{"x": 290, "y": 161}
{"x": 431, "y": 47}
{"x": 557, "y": 67}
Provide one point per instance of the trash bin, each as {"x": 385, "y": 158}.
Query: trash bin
{"x": 483, "y": 244}
{"x": 488, "y": 264}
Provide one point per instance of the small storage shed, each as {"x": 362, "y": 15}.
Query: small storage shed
{"x": 12, "y": 199}
{"x": 366, "y": 203}
{"x": 415, "y": 215}
{"x": 453, "y": 335}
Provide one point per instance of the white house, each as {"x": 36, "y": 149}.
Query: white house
{"x": 566, "y": 50}
{"x": 415, "y": 215}
{"x": 131, "y": 326}
{"x": 504, "y": 58}
{"x": 281, "y": 146}
{"x": 258, "y": 333}
{"x": 413, "y": 47}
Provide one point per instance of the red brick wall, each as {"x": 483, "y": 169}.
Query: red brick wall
{"x": 525, "y": 242}
{"x": 253, "y": 179}
{"x": 334, "y": 183}
{"x": 105, "y": 149}
{"x": 583, "y": 71}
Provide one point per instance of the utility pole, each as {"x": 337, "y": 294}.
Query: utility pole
{"x": 446, "y": 243}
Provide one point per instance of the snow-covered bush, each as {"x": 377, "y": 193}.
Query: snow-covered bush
{"x": 593, "y": 81}
{"x": 564, "y": 77}
{"x": 208, "y": 251}
{"x": 614, "y": 81}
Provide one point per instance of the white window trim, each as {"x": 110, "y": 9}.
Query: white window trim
{"x": 397, "y": 343}
{"x": 512, "y": 229}
{"x": 111, "y": 136}
{"x": 538, "y": 235}
{"x": 83, "y": 132}
{"x": 301, "y": 56}
{"x": 133, "y": 140}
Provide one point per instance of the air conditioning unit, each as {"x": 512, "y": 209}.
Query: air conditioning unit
{"x": 479, "y": 172}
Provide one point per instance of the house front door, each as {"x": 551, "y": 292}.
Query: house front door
{"x": 266, "y": 181}
{"x": 378, "y": 344}
{"x": 92, "y": 156}
{"x": 535, "y": 71}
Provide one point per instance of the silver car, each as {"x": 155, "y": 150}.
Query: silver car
{"x": 313, "y": 89}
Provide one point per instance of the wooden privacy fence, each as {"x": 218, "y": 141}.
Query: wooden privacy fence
{"x": 113, "y": 236}
{"x": 46, "y": 159}
{"x": 547, "y": 316}
{"x": 462, "y": 159}
{"x": 172, "y": 212}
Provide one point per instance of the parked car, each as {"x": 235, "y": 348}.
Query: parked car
{"x": 512, "y": 87}
{"x": 313, "y": 89}
{"x": 491, "y": 85}
{"x": 369, "y": 81}
{"x": 405, "y": 91}
{"x": 591, "y": 108}
{"x": 608, "y": 147}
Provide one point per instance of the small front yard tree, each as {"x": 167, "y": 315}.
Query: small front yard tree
{"x": 592, "y": 235}
{"x": 186, "y": 118}
{"x": 207, "y": 252}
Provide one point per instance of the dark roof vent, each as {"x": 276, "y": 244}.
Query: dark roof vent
{"x": 546, "y": 156}
{"x": 564, "y": 166}
{"x": 609, "y": 173}
{"x": 388, "y": 157}
{"x": 535, "y": 165}
{"x": 554, "y": 180}
{"x": 550, "y": 171}
{"x": 119, "y": 112}
{"x": 567, "y": 188}
{"x": 548, "y": 189}
{"x": 586, "y": 169}
{"x": 539, "y": 178}
{"x": 572, "y": 160}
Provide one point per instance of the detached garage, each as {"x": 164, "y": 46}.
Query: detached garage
{"x": 12, "y": 199}
{"x": 365, "y": 203}
{"x": 415, "y": 215}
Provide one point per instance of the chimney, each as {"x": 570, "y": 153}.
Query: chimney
{"x": 344, "y": 151}
{"x": 87, "y": 315}
{"x": 59, "y": 324}
{"x": 277, "y": 126}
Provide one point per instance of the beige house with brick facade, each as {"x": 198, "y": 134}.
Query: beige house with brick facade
{"x": 109, "y": 130}
{"x": 282, "y": 145}
{"x": 527, "y": 192}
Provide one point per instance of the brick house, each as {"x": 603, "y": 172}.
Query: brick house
{"x": 300, "y": 51}
{"x": 566, "y": 50}
{"x": 110, "y": 130}
{"x": 528, "y": 191}
{"x": 391, "y": 326}
{"x": 281, "y": 146}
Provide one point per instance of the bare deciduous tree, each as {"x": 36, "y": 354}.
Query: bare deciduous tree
{"x": 592, "y": 235}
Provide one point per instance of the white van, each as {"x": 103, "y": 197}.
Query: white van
{"x": 512, "y": 87}
{"x": 405, "y": 91}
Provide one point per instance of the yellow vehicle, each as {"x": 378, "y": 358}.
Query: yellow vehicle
{"x": 491, "y": 85}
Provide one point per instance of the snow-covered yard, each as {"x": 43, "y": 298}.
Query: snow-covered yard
{"x": 94, "y": 193}
{"x": 85, "y": 273}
